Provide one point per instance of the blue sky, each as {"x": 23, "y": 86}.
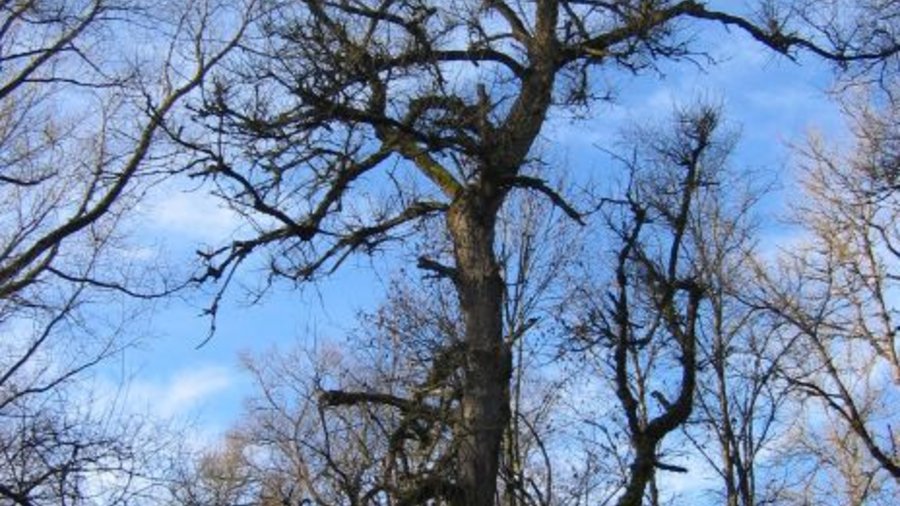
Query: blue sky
{"x": 771, "y": 100}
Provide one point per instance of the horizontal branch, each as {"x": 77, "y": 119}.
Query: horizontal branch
{"x": 440, "y": 270}
{"x": 336, "y": 398}
{"x": 539, "y": 185}
{"x": 670, "y": 467}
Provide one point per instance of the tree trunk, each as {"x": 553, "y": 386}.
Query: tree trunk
{"x": 642, "y": 471}
{"x": 488, "y": 366}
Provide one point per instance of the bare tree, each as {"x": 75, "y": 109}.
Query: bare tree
{"x": 350, "y": 123}
{"x": 67, "y": 448}
{"x": 836, "y": 292}
{"x": 647, "y": 327}
{"x": 82, "y": 117}
{"x": 368, "y": 420}
{"x": 742, "y": 411}
{"x": 230, "y": 473}
{"x": 828, "y": 464}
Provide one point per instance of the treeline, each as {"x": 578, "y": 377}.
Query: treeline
{"x": 551, "y": 342}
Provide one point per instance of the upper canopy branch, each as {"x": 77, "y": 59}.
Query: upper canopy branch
{"x": 517, "y": 26}
{"x": 638, "y": 24}
{"x": 458, "y": 95}
{"x": 773, "y": 37}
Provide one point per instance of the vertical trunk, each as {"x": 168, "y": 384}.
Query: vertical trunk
{"x": 645, "y": 439}
{"x": 747, "y": 472}
{"x": 488, "y": 367}
{"x": 513, "y": 448}
{"x": 732, "y": 470}
{"x": 654, "y": 491}
{"x": 745, "y": 481}
{"x": 726, "y": 432}
{"x": 642, "y": 470}
{"x": 731, "y": 493}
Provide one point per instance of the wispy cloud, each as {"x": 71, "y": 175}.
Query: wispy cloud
{"x": 192, "y": 215}
{"x": 183, "y": 392}
{"x": 189, "y": 388}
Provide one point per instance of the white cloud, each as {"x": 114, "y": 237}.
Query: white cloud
{"x": 189, "y": 388}
{"x": 192, "y": 215}
{"x": 183, "y": 392}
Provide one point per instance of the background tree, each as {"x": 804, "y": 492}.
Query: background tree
{"x": 742, "y": 405}
{"x": 647, "y": 327}
{"x": 82, "y": 117}
{"x": 428, "y": 111}
{"x": 836, "y": 295}
{"x": 743, "y": 411}
{"x": 828, "y": 464}
{"x": 228, "y": 474}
